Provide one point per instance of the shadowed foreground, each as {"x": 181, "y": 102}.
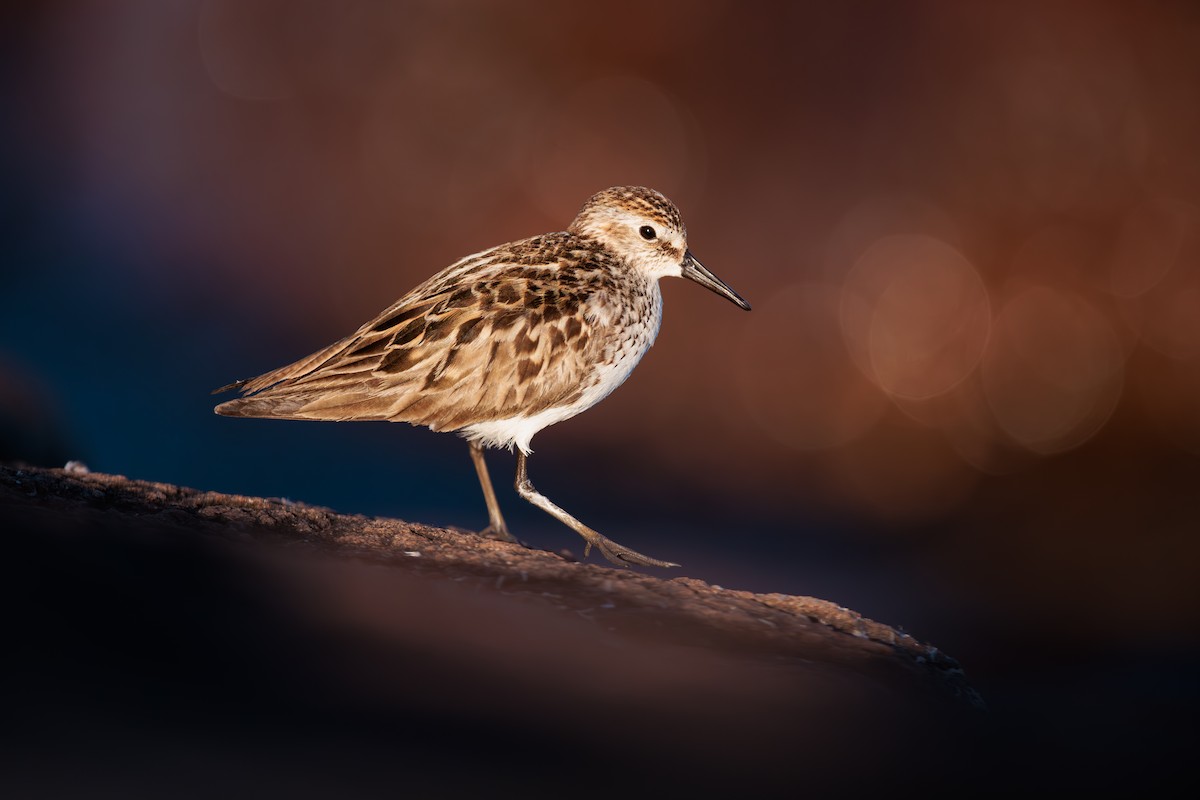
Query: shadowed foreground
{"x": 171, "y": 640}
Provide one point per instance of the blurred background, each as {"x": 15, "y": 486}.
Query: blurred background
{"x": 967, "y": 400}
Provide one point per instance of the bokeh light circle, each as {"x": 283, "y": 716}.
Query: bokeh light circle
{"x": 1054, "y": 370}
{"x": 1149, "y": 243}
{"x": 915, "y": 315}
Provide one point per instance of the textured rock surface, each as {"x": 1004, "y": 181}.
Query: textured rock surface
{"x": 166, "y": 621}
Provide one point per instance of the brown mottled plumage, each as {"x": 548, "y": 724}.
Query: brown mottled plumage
{"x": 504, "y": 342}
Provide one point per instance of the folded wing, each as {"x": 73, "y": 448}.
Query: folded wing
{"x": 488, "y": 341}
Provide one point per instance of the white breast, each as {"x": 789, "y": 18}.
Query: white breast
{"x": 627, "y": 351}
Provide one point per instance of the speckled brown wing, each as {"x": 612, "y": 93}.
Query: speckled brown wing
{"x": 500, "y": 334}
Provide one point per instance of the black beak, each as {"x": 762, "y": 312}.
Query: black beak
{"x": 694, "y": 270}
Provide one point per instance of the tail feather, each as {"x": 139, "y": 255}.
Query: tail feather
{"x": 235, "y": 408}
{"x": 284, "y": 408}
{"x": 311, "y": 406}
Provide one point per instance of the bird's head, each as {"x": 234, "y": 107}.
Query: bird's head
{"x": 646, "y": 229}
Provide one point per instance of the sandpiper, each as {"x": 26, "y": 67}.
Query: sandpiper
{"x": 505, "y": 342}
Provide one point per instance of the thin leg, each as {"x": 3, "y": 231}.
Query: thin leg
{"x": 496, "y": 528}
{"x": 614, "y": 552}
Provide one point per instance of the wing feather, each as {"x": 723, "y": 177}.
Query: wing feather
{"x": 489, "y": 338}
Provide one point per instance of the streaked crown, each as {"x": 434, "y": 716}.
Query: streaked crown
{"x": 632, "y": 200}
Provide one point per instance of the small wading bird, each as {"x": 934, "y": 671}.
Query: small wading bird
{"x": 505, "y": 342}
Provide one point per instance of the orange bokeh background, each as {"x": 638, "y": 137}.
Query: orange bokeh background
{"x": 970, "y": 233}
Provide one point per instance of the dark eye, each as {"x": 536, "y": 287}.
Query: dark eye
{"x": 647, "y": 232}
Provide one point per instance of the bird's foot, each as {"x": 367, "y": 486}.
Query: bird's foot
{"x": 619, "y": 554}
